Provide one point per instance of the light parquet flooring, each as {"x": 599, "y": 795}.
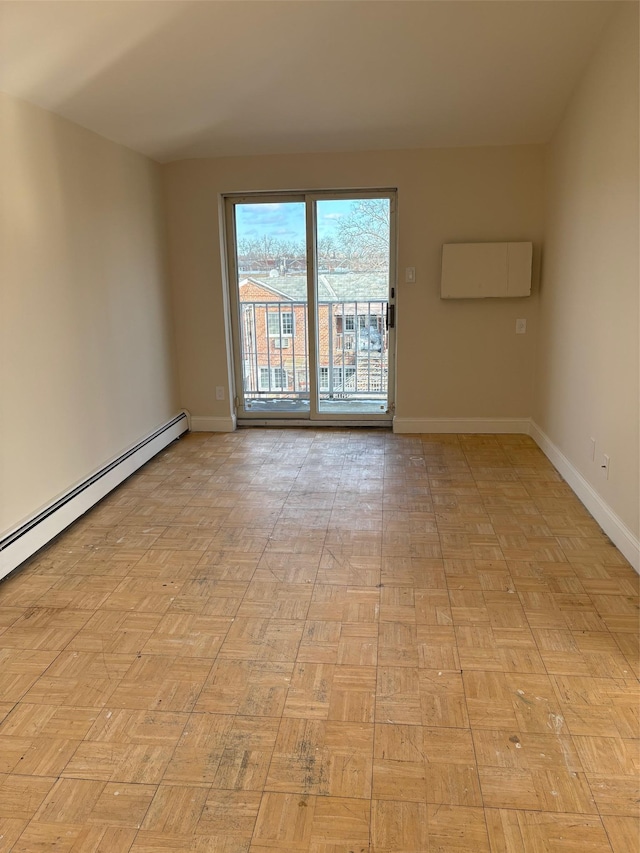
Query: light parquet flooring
{"x": 330, "y": 641}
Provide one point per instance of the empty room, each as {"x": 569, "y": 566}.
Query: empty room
{"x": 319, "y": 426}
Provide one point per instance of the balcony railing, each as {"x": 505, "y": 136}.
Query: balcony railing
{"x": 352, "y": 350}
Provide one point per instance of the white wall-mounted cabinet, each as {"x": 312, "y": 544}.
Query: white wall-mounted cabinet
{"x": 481, "y": 270}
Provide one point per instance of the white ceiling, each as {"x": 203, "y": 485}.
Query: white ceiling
{"x": 236, "y": 77}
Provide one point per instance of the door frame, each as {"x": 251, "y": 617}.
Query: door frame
{"x": 230, "y": 278}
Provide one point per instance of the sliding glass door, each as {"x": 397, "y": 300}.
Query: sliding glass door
{"x": 312, "y": 305}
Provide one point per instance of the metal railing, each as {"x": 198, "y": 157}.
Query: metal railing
{"x": 352, "y": 350}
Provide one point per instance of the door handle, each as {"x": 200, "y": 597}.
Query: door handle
{"x": 390, "y": 318}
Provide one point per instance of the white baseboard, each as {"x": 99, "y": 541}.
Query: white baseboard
{"x": 20, "y": 543}
{"x": 613, "y": 526}
{"x": 461, "y": 425}
{"x": 204, "y": 423}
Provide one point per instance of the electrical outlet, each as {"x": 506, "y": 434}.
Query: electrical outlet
{"x": 592, "y": 445}
{"x": 219, "y": 392}
{"x": 604, "y": 466}
{"x": 521, "y": 327}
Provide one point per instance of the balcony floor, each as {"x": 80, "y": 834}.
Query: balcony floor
{"x": 327, "y": 407}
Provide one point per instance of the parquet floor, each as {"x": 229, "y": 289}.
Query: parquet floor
{"x": 327, "y": 641}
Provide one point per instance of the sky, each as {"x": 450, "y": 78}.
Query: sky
{"x": 286, "y": 220}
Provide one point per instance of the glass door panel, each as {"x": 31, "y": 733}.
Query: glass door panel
{"x": 271, "y": 293}
{"x": 352, "y": 293}
{"x": 311, "y": 300}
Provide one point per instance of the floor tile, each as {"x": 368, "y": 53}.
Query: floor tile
{"x": 517, "y": 831}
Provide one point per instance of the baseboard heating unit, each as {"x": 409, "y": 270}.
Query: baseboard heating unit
{"x": 19, "y": 544}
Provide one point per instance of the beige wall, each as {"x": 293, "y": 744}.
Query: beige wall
{"x": 85, "y": 339}
{"x": 587, "y": 363}
{"x": 454, "y": 358}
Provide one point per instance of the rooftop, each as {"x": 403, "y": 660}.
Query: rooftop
{"x": 332, "y": 287}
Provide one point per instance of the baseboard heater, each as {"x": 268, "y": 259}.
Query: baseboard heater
{"x": 23, "y": 542}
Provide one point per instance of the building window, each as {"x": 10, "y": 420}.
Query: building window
{"x": 280, "y": 324}
{"x": 370, "y": 321}
{"x": 344, "y": 379}
{"x": 345, "y": 323}
{"x": 273, "y": 379}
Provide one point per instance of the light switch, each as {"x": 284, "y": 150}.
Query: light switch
{"x": 410, "y": 275}
{"x": 521, "y": 327}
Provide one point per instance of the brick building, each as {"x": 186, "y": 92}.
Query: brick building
{"x": 352, "y": 335}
